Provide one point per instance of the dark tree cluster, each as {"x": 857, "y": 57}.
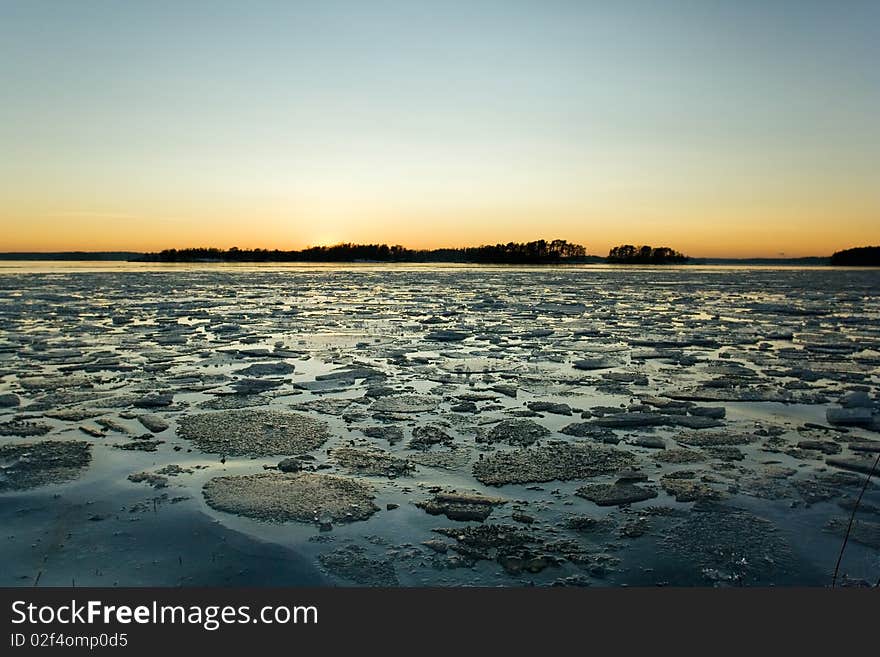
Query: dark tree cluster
{"x": 537, "y": 252}
{"x": 862, "y": 256}
{"x": 645, "y": 255}
{"x": 336, "y": 253}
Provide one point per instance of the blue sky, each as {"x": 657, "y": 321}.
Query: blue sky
{"x": 746, "y": 126}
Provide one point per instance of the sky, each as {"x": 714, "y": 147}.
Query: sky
{"x": 721, "y": 129}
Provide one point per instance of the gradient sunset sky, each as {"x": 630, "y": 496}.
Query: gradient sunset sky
{"x": 740, "y": 128}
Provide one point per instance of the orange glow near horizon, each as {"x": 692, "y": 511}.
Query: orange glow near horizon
{"x": 719, "y": 234}
{"x": 718, "y": 129}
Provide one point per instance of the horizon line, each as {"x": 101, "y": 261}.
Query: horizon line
{"x": 328, "y": 246}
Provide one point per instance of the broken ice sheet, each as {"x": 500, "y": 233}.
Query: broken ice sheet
{"x": 313, "y": 409}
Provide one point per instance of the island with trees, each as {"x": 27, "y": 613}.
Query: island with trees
{"x": 628, "y": 254}
{"x": 862, "y": 256}
{"x": 536, "y": 252}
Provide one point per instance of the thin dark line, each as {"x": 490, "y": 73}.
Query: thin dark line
{"x": 852, "y": 517}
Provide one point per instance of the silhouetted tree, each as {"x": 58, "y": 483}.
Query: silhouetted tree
{"x": 645, "y": 255}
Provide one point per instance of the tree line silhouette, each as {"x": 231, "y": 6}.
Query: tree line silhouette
{"x": 538, "y": 251}
{"x": 862, "y": 256}
{"x": 645, "y": 255}
{"x": 535, "y": 252}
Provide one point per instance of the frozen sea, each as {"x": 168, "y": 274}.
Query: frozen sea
{"x": 438, "y": 425}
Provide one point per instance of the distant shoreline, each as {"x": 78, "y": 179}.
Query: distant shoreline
{"x": 135, "y": 257}
{"x": 108, "y": 256}
{"x": 537, "y": 252}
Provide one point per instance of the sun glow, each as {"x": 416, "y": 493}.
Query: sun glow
{"x": 705, "y": 131}
{"x": 325, "y": 240}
